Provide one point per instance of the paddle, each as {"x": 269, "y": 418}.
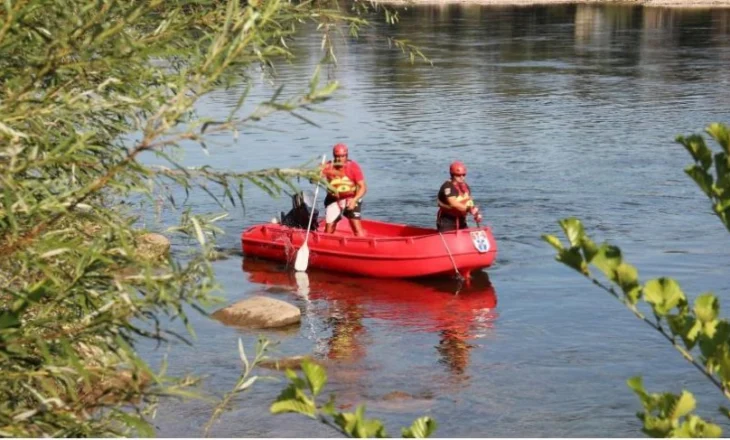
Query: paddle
{"x": 302, "y": 261}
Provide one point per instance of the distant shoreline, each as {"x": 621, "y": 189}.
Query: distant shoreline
{"x": 682, "y": 4}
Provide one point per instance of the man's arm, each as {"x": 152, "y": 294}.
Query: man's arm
{"x": 362, "y": 188}
{"x": 454, "y": 204}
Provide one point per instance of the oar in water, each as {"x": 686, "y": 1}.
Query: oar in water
{"x": 302, "y": 261}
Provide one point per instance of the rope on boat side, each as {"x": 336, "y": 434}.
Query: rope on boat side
{"x": 448, "y": 251}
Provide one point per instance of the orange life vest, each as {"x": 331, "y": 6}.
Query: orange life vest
{"x": 463, "y": 195}
{"x": 339, "y": 179}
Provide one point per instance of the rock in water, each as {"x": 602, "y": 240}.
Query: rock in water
{"x": 292, "y": 362}
{"x": 259, "y": 312}
{"x": 152, "y": 246}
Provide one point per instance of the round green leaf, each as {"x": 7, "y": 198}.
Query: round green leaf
{"x": 664, "y": 294}
{"x": 707, "y": 307}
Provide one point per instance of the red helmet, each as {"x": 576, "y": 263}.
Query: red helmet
{"x": 339, "y": 150}
{"x": 457, "y": 168}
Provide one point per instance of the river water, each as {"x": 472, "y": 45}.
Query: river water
{"x": 557, "y": 111}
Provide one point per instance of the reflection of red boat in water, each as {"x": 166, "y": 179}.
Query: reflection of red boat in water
{"x": 422, "y": 305}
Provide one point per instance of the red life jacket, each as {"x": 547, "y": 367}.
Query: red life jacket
{"x": 344, "y": 179}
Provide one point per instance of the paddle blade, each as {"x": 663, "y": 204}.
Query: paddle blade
{"x": 302, "y": 261}
{"x": 302, "y": 284}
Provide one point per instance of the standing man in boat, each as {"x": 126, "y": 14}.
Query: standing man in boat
{"x": 455, "y": 202}
{"x": 347, "y": 188}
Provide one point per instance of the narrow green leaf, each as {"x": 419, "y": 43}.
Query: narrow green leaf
{"x": 589, "y": 249}
{"x": 685, "y": 405}
{"x": 695, "y": 145}
{"x": 695, "y": 427}
{"x": 721, "y": 134}
{"x": 720, "y": 359}
{"x": 722, "y": 170}
{"x": 636, "y": 383}
{"x": 198, "y": 230}
{"x": 9, "y": 319}
{"x": 143, "y": 429}
{"x": 421, "y": 428}
{"x": 701, "y": 177}
{"x": 607, "y": 259}
{"x": 573, "y": 229}
{"x": 685, "y": 327}
{"x": 628, "y": 278}
{"x": 553, "y": 241}
{"x": 329, "y": 407}
{"x": 295, "y": 406}
{"x": 573, "y": 258}
{"x": 657, "y": 426}
{"x": 725, "y": 411}
{"x": 242, "y": 354}
{"x": 347, "y": 422}
{"x": 250, "y": 381}
{"x": 711, "y": 430}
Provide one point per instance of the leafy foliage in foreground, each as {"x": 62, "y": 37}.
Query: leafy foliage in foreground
{"x": 87, "y": 90}
{"x": 301, "y": 397}
{"x": 696, "y": 331}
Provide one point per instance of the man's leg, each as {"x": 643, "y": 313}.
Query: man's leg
{"x": 356, "y": 226}
{"x": 446, "y": 224}
{"x": 332, "y": 215}
{"x": 354, "y": 216}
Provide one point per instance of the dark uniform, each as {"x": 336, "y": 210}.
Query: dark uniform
{"x": 452, "y": 219}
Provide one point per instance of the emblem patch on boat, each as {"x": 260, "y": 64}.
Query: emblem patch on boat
{"x": 480, "y": 240}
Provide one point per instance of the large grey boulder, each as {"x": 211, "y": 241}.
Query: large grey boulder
{"x": 259, "y": 312}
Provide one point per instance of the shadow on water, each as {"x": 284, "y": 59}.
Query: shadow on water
{"x": 457, "y": 313}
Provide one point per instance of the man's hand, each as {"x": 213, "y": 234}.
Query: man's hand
{"x": 351, "y": 204}
{"x": 478, "y": 218}
{"x": 474, "y": 211}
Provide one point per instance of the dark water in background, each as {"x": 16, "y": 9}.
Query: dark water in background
{"x": 557, "y": 111}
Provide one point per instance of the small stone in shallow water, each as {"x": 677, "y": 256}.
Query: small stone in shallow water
{"x": 280, "y": 289}
{"x": 215, "y": 255}
{"x": 152, "y": 246}
{"x": 259, "y": 312}
{"x": 397, "y": 395}
{"x": 402, "y": 401}
{"x": 292, "y": 362}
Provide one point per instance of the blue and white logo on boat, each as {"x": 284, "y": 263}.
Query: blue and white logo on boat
{"x": 480, "y": 240}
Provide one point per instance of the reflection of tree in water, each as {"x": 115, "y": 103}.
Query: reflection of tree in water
{"x": 346, "y": 348}
{"x": 345, "y": 343}
{"x": 454, "y": 349}
{"x": 463, "y": 319}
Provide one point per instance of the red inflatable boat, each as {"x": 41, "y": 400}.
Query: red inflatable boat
{"x": 388, "y": 250}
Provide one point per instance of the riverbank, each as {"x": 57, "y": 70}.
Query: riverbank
{"x": 692, "y": 4}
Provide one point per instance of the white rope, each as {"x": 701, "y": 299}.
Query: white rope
{"x": 450, "y": 256}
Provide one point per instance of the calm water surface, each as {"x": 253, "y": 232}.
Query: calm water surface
{"x": 557, "y": 111}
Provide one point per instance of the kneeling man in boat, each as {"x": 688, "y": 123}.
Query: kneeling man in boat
{"x": 455, "y": 202}
{"x": 347, "y": 188}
